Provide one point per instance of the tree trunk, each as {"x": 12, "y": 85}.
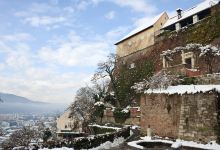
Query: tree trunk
{"x": 115, "y": 90}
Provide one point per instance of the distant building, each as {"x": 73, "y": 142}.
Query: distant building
{"x": 190, "y": 16}
{"x": 67, "y": 127}
{"x": 4, "y": 124}
{"x": 141, "y": 37}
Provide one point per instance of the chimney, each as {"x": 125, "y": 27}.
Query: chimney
{"x": 179, "y": 13}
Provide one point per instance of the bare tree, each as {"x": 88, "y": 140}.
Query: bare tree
{"x": 107, "y": 69}
{"x": 209, "y": 53}
{"x": 81, "y": 108}
{"x": 159, "y": 80}
{"x": 1, "y": 131}
{"x": 21, "y": 138}
{"x": 101, "y": 90}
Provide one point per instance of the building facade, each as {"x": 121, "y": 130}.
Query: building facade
{"x": 190, "y": 16}
{"x": 141, "y": 37}
{"x": 67, "y": 127}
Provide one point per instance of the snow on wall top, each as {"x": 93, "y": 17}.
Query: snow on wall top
{"x": 184, "y": 89}
{"x": 148, "y": 24}
{"x": 194, "y": 10}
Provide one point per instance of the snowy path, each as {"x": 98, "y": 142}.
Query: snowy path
{"x": 123, "y": 146}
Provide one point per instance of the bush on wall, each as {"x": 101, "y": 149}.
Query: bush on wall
{"x": 121, "y": 115}
{"x": 127, "y": 77}
{"x": 99, "y": 108}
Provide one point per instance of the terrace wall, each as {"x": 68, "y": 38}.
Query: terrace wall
{"x": 187, "y": 116}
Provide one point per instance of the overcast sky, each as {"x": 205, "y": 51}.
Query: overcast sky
{"x": 50, "y": 48}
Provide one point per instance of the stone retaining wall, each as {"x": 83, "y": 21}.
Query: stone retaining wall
{"x": 134, "y": 118}
{"x": 209, "y": 79}
{"x": 187, "y": 116}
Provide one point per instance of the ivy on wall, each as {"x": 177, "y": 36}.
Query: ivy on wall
{"x": 206, "y": 31}
{"x": 99, "y": 112}
{"x": 203, "y": 32}
{"x": 127, "y": 77}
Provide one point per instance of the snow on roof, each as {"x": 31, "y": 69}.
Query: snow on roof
{"x": 194, "y": 10}
{"x": 144, "y": 26}
{"x": 184, "y": 89}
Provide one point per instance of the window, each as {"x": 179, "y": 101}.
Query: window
{"x": 188, "y": 63}
{"x": 189, "y": 60}
{"x": 131, "y": 66}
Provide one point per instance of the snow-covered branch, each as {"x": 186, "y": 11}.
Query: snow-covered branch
{"x": 159, "y": 80}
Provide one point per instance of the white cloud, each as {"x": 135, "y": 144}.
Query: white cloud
{"x": 44, "y": 20}
{"x": 137, "y": 5}
{"x": 82, "y": 5}
{"x": 51, "y": 74}
{"x": 76, "y": 52}
{"x": 16, "y": 37}
{"x": 54, "y": 88}
{"x": 117, "y": 32}
{"x": 24, "y": 74}
{"x": 144, "y": 6}
{"x": 110, "y": 15}
{"x": 46, "y": 15}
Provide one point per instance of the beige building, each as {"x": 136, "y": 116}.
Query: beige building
{"x": 67, "y": 126}
{"x": 141, "y": 37}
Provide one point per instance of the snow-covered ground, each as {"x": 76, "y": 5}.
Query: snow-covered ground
{"x": 106, "y": 145}
{"x": 211, "y": 145}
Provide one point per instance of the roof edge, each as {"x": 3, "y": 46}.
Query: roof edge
{"x": 161, "y": 14}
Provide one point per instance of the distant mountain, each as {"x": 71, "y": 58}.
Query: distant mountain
{"x": 11, "y": 98}
{"x": 17, "y": 104}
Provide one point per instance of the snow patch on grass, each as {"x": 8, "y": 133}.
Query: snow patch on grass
{"x": 177, "y": 144}
{"x": 106, "y": 145}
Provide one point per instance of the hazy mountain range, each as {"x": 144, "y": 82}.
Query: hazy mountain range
{"x": 17, "y": 104}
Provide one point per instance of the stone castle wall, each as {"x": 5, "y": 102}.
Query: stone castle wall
{"x": 162, "y": 113}
{"x": 188, "y": 116}
{"x": 134, "y": 118}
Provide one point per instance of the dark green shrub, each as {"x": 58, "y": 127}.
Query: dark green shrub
{"x": 121, "y": 115}
{"x": 189, "y": 80}
{"x": 98, "y": 130}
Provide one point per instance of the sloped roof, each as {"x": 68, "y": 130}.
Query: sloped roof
{"x": 141, "y": 28}
{"x": 194, "y": 10}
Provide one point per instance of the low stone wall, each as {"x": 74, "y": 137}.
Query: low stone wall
{"x": 209, "y": 79}
{"x": 161, "y": 113}
{"x": 198, "y": 117}
{"x": 89, "y": 142}
{"x": 134, "y": 118}
{"x": 187, "y": 116}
